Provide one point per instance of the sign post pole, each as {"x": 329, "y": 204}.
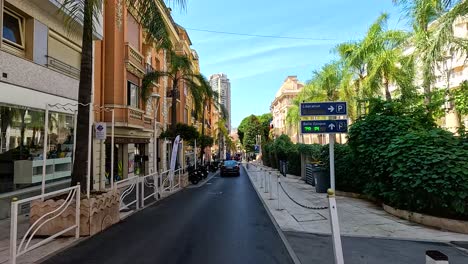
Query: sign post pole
{"x": 332, "y": 160}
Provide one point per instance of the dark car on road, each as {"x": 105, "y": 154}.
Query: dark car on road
{"x": 230, "y": 167}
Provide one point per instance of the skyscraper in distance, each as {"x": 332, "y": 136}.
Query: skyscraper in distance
{"x": 219, "y": 82}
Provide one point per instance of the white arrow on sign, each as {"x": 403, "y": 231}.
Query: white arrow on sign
{"x": 331, "y": 126}
{"x": 331, "y": 108}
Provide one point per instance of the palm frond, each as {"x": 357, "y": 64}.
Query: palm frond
{"x": 73, "y": 12}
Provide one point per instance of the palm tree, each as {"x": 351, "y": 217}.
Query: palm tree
{"x": 433, "y": 35}
{"x": 179, "y": 72}
{"x": 87, "y": 12}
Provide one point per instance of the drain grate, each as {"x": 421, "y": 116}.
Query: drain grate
{"x": 309, "y": 217}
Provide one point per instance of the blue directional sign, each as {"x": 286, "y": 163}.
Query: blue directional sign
{"x": 324, "y": 109}
{"x": 324, "y": 126}
{"x": 257, "y": 148}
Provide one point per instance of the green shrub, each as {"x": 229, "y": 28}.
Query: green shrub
{"x": 312, "y": 151}
{"x": 294, "y": 160}
{"x": 368, "y": 140}
{"x": 346, "y": 176}
{"x": 429, "y": 173}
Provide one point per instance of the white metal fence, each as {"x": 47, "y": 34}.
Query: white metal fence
{"x": 129, "y": 195}
{"x": 25, "y": 245}
{"x": 149, "y": 188}
{"x": 171, "y": 180}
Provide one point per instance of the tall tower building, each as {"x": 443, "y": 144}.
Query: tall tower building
{"x": 219, "y": 82}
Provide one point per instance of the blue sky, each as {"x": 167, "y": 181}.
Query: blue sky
{"x": 258, "y": 66}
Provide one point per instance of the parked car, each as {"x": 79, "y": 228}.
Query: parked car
{"x": 230, "y": 167}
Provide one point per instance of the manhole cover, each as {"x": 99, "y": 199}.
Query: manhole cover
{"x": 215, "y": 193}
{"x": 208, "y": 183}
{"x": 308, "y": 217}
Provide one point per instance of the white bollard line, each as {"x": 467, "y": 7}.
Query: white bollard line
{"x": 278, "y": 191}
{"x": 269, "y": 186}
{"x": 335, "y": 227}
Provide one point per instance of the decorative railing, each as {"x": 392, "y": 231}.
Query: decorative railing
{"x": 129, "y": 193}
{"x": 134, "y": 60}
{"x": 135, "y": 117}
{"x": 72, "y": 195}
{"x": 149, "y": 188}
{"x": 148, "y": 122}
{"x": 168, "y": 180}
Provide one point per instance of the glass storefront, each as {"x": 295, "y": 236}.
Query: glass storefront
{"x": 21, "y": 147}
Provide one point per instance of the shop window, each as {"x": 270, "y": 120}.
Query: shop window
{"x": 13, "y": 29}
{"x": 22, "y": 142}
{"x": 132, "y": 95}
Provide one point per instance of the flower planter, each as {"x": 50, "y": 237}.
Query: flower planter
{"x": 96, "y": 214}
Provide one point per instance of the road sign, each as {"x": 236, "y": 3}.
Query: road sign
{"x": 324, "y": 109}
{"x": 101, "y": 131}
{"x": 257, "y": 149}
{"x": 324, "y": 126}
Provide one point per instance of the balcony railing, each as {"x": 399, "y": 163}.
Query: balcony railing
{"x": 130, "y": 117}
{"x": 134, "y": 57}
{"x": 148, "y": 122}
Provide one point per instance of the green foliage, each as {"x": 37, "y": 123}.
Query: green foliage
{"x": 206, "y": 141}
{"x": 282, "y": 149}
{"x": 460, "y": 98}
{"x": 313, "y": 151}
{"x": 265, "y": 120}
{"x": 253, "y": 128}
{"x": 429, "y": 173}
{"x": 346, "y": 174}
{"x": 186, "y": 132}
{"x": 262, "y": 124}
{"x": 369, "y": 138}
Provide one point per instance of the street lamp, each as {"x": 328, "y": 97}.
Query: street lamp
{"x": 157, "y": 98}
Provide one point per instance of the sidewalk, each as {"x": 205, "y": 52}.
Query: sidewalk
{"x": 358, "y": 218}
{"x": 40, "y": 253}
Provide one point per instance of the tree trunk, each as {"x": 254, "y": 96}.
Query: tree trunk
{"x": 84, "y": 97}
{"x": 388, "y": 95}
{"x": 427, "y": 90}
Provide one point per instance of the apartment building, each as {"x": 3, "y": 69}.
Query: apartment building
{"x": 221, "y": 84}
{"x": 39, "y": 66}
{"x": 279, "y": 107}
{"x": 123, "y": 58}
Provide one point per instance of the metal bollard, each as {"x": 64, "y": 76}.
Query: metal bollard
{"x": 278, "y": 191}
{"x": 269, "y": 186}
{"x": 261, "y": 179}
{"x": 335, "y": 227}
{"x": 266, "y": 182}
{"x": 436, "y": 257}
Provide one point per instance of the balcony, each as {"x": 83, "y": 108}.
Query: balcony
{"x": 134, "y": 61}
{"x": 126, "y": 116}
{"x": 148, "y": 122}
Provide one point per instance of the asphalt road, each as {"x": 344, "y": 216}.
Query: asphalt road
{"x": 314, "y": 248}
{"x": 221, "y": 222}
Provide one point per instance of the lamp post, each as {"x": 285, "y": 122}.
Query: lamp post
{"x": 157, "y": 98}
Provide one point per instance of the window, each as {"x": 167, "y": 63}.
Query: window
{"x": 13, "y": 29}
{"x": 132, "y": 95}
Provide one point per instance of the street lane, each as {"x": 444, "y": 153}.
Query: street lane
{"x": 222, "y": 222}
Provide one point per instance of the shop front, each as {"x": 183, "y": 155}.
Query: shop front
{"x": 131, "y": 157}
